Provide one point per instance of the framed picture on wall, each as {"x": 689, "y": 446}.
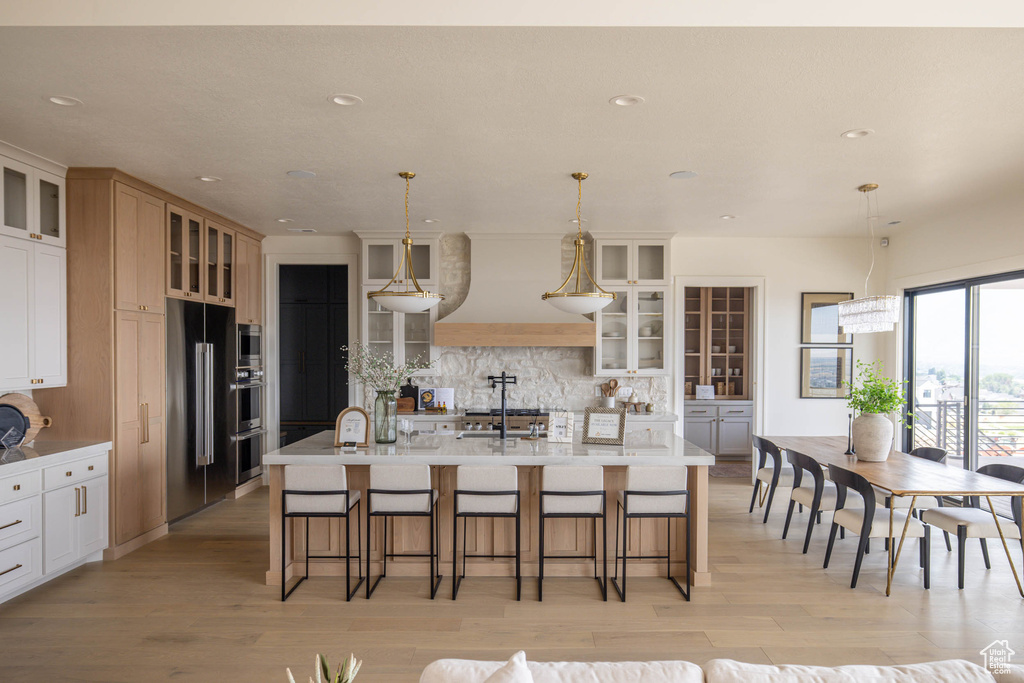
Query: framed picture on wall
{"x": 824, "y": 371}
{"x": 820, "y": 318}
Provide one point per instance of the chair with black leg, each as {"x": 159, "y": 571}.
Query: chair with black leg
{"x": 484, "y": 492}
{"x": 320, "y": 491}
{"x": 975, "y": 521}
{"x": 863, "y": 521}
{"x": 574, "y": 492}
{"x": 923, "y": 502}
{"x": 772, "y": 476}
{"x": 402, "y": 491}
{"x": 811, "y": 490}
{"x": 652, "y": 492}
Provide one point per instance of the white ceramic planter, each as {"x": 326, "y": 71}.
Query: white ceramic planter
{"x": 872, "y": 437}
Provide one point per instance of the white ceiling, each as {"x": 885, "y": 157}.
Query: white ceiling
{"x": 494, "y": 120}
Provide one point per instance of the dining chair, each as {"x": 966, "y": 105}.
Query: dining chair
{"x": 862, "y": 521}
{"x": 810, "y": 489}
{"x": 974, "y": 521}
{"x": 770, "y": 475}
{"x": 923, "y": 502}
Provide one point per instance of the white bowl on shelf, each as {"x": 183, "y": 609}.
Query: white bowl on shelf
{"x": 716, "y": 349}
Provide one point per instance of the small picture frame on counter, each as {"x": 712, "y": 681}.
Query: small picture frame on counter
{"x": 606, "y": 426}
{"x": 705, "y": 392}
{"x": 352, "y": 428}
{"x": 560, "y": 427}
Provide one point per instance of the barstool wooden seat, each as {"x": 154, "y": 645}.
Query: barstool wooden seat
{"x": 484, "y": 491}
{"x": 402, "y": 491}
{"x": 320, "y": 491}
{"x": 574, "y": 492}
{"x": 652, "y": 492}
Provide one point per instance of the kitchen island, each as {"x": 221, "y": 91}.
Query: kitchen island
{"x": 444, "y": 453}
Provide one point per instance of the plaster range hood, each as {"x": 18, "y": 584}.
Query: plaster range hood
{"x": 507, "y": 277}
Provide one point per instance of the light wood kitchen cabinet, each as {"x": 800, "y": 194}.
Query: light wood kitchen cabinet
{"x": 119, "y": 257}
{"x": 185, "y": 254}
{"x": 219, "y": 257}
{"x": 33, "y": 347}
{"x": 716, "y": 341}
{"x": 138, "y": 250}
{"x": 248, "y": 282}
{"x": 140, "y": 482}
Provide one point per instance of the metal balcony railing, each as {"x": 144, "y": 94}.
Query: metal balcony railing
{"x": 1000, "y": 427}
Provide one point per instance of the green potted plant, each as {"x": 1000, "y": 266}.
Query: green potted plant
{"x": 874, "y": 396}
{"x": 345, "y": 674}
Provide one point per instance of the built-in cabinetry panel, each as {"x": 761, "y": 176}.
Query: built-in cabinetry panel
{"x": 138, "y": 250}
{"x": 723, "y": 428}
{"x": 248, "y": 281}
{"x": 716, "y": 341}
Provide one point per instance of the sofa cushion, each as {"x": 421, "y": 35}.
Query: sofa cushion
{"x": 951, "y": 671}
{"x": 512, "y": 671}
{"x": 469, "y": 671}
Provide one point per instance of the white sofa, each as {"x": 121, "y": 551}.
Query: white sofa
{"x": 718, "y": 671}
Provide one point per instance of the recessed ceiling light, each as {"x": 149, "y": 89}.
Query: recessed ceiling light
{"x": 894, "y": 222}
{"x": 626, "y": 100}
{"x": 208, "y": 178}
{"x": 727, "y": 217}
{"x": 66, "y": 101}
{"x": 302, "y": 174}
{"x": 301, "y": 229}
{"x": 346, "y": 100}
{"x": 679, "y": 175}
{"x": 284, "y": 220}
{"x": 431, "y": 220}
{"x": 857, "y": 133}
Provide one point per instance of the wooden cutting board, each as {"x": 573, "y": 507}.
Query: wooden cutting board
{"x": 30, "y": 410}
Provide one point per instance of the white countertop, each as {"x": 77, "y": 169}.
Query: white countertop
{"x": 640, "y": 448}
{"x": 631, "y": 417}
{"x": 44, "y": 453}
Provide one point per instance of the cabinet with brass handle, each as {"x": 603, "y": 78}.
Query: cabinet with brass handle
{"x": 8, "y": 571}
{"x": 11, "y": 524}
{"x": 75, "y": 522}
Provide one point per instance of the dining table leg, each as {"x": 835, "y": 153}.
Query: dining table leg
{"x": 906, "y": 525}
{"x": 1006, "y": 548}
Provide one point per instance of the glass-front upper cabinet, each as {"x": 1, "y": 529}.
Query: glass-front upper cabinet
{"x": 219, "y": 261}
{"x": 382, "y": 256}
{"x": 33, "y": 203}
{"x": 17, "y": 199}
{"x": 633, "y": 332}
{"x": 632, "y": 261}
{"x": 400, "y": 337}
{"x": 613, "y": 349}
{"x": 185, "y": 254}
{"x": 651, "y": 331}
{"x": 50, "y": 203}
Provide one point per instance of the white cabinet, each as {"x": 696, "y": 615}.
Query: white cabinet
{"x": 74, "y": 522}
{"x": 719, "y": 429}
{"x": 382, "y": 254}
{"x": 33, "y": 203}
{"x": 632, "y": 261}
{"x": 33, "y": 348}
{"x": 399, "y": 336}
{"x": 633, "y": 333}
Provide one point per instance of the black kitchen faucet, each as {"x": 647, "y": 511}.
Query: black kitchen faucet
{"x": 505, "y": 379}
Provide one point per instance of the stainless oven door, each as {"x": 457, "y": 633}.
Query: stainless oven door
{"x": 250, "y": 406}
{"x": 250, "y": 454}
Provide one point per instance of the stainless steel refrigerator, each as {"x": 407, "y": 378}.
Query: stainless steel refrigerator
{"x": 201, "y": 410}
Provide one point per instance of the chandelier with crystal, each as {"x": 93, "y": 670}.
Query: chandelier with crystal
{"x": 409, "y": 297}
{"x": 579, "y": 300}
{"x": 869, "y": 313}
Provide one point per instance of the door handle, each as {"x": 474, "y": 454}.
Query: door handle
{"x": 78, "y": 502}
{"x": 209, "y": 403}
{"x": 200, "y": 398}
{"x": 147, "y": 421}
{"x": 85, "y": 500}
{"x": 7, "y": 526}
{"x": 8, "y": 571}
{"x": 142, "y": 423}
{"x": 302, "y": 354}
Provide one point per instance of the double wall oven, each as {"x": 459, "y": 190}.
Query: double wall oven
{"x": 250, "y": 430}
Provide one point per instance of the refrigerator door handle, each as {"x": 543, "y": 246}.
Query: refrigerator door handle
{"x": 209, "y": 405}
{"x": 200, "y": 422}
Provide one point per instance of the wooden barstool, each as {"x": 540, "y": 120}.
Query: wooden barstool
{"x": 320, "y": 491}
{"x": 484, "y": 491}
{"x": 402, "y": 491}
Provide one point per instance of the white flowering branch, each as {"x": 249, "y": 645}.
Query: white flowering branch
{"x": 378, "y": 371}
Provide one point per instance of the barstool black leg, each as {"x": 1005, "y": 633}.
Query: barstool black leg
{"x": 307, "y": 548}
{"x": 455, "y": 547}
{"x": 519, "y": 576}
{"x": 604, "y": 554}
{"x": 625, "y": 552}
{"x": 540, "y": 572}
{"x": 284, "y": 540}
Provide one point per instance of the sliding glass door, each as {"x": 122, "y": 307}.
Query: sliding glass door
{"x": 965, "y": 370}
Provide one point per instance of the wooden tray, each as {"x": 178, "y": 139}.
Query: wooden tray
{"x": 30, "y": 410}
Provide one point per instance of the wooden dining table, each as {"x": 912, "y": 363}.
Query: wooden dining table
{"x": 904, "y": 475}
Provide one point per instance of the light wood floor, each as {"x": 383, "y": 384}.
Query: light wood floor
{"x": 193, "y": 607}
